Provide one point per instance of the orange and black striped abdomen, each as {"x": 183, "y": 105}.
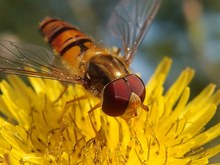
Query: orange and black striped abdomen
{"x": 67, "y": 40}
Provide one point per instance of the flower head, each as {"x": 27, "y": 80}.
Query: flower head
{"x": 41, "y": 124}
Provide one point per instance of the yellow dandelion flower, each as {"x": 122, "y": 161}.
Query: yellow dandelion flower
{"x": 35, "y": 129}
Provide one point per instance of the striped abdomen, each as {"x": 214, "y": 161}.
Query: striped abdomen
{"x": 68, "y": 41}
{"x": 97, "y": 66}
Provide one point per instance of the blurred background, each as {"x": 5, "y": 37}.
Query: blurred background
{"x": 188, "y": 31}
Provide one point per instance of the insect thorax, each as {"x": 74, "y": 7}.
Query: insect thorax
{"x": 103, "y": 69}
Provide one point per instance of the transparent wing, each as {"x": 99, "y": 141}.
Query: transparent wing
{"x": 130, "y": 21}
{"x": 33, "y": 60}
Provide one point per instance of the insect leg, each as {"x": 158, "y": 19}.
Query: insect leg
{"x": 89, "y": 112}
{"x": 61, "y": 94}
{"x": 71, "y": 102}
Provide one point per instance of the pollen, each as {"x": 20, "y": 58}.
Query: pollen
{"x": 42, "y": 124}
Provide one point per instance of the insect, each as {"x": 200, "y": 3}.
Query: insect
{"x": 101, "y": 71}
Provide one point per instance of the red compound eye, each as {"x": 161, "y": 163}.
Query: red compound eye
{"x": 117, "y": 94}
{"x": 137, "y": 85}
{"x": 116, "y": 97}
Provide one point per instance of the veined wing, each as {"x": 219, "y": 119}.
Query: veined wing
{"x": 130, "y": 22}
{"x": 35, "y": 61}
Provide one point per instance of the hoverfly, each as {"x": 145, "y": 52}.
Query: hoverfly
{"x": 103, "y": 72}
